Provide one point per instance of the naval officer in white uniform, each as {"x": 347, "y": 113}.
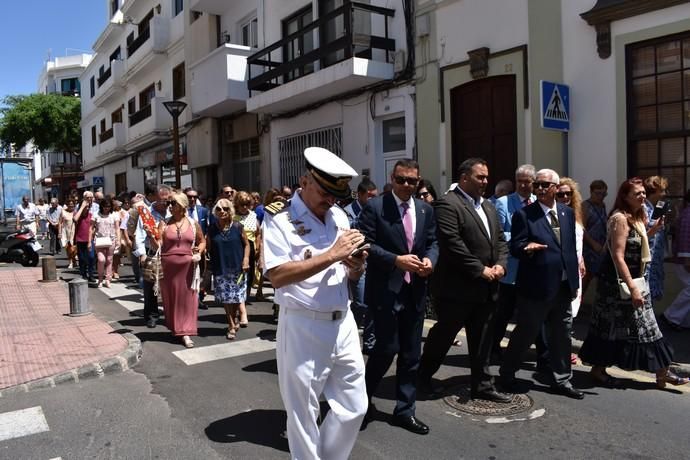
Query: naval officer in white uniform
{"x": 307, "y": 250}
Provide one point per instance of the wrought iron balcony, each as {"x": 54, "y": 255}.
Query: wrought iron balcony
{"x": 104, "y": 76}
{"x": 142, "y": 114}
{"x": 105, "y": 135}
{"x": 137, "y": 42}
{"x": 348, "y": 45}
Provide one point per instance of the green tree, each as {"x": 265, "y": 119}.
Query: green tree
{"x": 50, "y": 121}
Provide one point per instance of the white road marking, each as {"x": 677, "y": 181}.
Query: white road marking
{"x": 117, "y": 290}
{"x": 23, "y": 422}
{"x": 200, "y": 355}
{"x": 531, "y": 416}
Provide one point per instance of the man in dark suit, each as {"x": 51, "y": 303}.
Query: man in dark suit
{"x": 402, "y": 233}
{"x": 199, "y": 214}
{"x": 473, "y": 256}
{"x": 543, "y": 240}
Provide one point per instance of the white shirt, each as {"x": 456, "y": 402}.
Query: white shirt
{"x": 295, "y": 233}
{"x": 547, "y": 210}
{"x": 28, "y": 214}
{"x": 477, "y": 204}
{"x": 411, "y": 210}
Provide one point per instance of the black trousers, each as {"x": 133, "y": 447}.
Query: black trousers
{"x": 555, "y": 316}
{"x": 397, "y": 332}
{"x": 150, "y": 301}
{"x": 54, "y": 238}
{"x": 477, "y": 319}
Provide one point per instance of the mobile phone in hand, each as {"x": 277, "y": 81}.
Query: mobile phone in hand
{"x": 661, "y": 209}
{"x": 360, "y": 249}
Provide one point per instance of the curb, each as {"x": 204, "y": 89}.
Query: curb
{"x": 121, "y": 362}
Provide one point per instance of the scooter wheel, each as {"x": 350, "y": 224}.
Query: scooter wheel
{"x": 30, "y": 260}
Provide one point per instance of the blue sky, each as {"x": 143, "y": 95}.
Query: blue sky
{"x": 33, "y": 27}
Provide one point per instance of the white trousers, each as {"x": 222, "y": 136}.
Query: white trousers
{"x": 679, "y": 311}
{"x": 318, "y": 357}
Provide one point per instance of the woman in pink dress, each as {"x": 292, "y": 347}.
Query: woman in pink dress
{"x": 181, "y": 246}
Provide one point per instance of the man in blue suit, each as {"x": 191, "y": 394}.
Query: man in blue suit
{"x": 402, "y": 232}
{"x": 199, "y": 214}
{"x": 543, "y": 240}
{"x": 506, "y": 206}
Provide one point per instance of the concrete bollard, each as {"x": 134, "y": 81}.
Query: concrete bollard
{"x": 79, "y": 297}
{"x": 49, "y": 269}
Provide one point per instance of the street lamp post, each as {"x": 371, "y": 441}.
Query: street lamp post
{"x": 175, "y": 108}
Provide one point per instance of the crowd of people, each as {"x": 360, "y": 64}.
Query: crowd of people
{"x": 341, "y": 260}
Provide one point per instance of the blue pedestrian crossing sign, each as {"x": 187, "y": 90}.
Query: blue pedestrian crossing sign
{"x": 555, "y": 106}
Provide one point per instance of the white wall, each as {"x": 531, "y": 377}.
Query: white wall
{"x": 472, "y": 24}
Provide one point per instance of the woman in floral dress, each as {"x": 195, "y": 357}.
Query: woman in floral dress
{"x": 250, "y": 224}
{"x": 229, "y": 251}
{"x": 106, "y": 224}
{"x": 625, "y": 333}
{"x": 67, "y": 233}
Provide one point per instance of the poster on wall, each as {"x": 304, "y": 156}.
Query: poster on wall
{"x": 16, "y": 182}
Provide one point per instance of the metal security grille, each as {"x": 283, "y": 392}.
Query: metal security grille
{"x": 292, "y": 150}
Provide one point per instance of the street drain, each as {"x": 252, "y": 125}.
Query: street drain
{"x": 460, "y": 399}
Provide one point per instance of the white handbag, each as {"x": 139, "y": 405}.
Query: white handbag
{"x": 102, "y": 242}
{"x": 623, "y": 289}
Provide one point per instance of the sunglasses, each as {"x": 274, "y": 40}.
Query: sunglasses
{"x": 564, "y": 194}
{"x": 400, "y": 180}
{"x": 544, "y": 185}
{"x": 228, "y": 192}
{"x": 423, "y": 194}
{"x": 222, "y": 208}
{"x": 192, "y": 197}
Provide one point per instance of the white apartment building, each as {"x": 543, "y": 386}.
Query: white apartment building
{"x": 56, "y": 173}
{"x": 287, "y": 74}
{"x": 627, "y": 63}
{"x": 139, "y": 65}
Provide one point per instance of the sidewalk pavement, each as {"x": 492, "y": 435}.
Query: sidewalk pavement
{"x": 42, "y": 346}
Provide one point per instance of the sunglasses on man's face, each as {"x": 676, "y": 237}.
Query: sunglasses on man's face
{"x": 544, "y": 185}
{"x": 564, "y": 194}
{"x": 400, "y": 180}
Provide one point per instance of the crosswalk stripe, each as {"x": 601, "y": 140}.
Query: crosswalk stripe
{"x": 198, "y": 355}
{"x": 23, "y": 422}
{"x": 116, "y": 291}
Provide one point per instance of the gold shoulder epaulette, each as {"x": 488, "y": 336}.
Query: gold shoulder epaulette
{"x": 276, "y": 207}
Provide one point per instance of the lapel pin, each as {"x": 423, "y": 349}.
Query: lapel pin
{"x": 301, "y": 231}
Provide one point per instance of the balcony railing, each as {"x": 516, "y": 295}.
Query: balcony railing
{"x": 348, "y": 45}
{"x": 142, "y": 114}
{"x": 105, "y": 135}
{"x": 140, "y": 40}
{"x": 104, "y": 77}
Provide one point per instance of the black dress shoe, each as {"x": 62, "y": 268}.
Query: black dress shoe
{"x": 492, "y": 395}
{"x": 151, "y": 322}
{"x": 508, "y": 384}
{"x": 568, "y": 391}
{"x": 368, "y": 417}
{"x": 410, "y": 423}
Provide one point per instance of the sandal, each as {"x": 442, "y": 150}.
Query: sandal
{"x": 230, "y": 334}
{"x": 671, "y": 378}
{"x": 187, "y": 341}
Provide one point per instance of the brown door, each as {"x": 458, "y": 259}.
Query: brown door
{"x": 484, "y": 124}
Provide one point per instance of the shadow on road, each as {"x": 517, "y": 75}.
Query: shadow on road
{"x": 261, "y": 426}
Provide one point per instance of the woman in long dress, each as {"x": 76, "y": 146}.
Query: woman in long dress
{"x": 625, "y": 333}
{"x": 67, "y": 233}
{"x": 182, "y": 242}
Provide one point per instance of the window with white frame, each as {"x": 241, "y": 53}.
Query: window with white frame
{"x": 177, "y": 7}
{"x": 250, "y": 33}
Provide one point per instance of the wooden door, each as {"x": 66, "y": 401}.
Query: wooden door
{"x": 484, "y": 124}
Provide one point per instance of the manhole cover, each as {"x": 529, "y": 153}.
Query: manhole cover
{"x": 460, "y": 400}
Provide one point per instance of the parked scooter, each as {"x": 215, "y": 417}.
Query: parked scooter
{"x": 20, "y": 247}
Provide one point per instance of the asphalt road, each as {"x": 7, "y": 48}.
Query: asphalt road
{"x": 223, "y": 402}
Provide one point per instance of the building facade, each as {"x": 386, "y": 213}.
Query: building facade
{"x": 138, "y": 66}
{"x": 56, "y": 173}
{"x": 479, "y": 67}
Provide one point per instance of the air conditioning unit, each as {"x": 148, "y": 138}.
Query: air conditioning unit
{"x": 399, "y": 60}
{"x": 423, "y": 25}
